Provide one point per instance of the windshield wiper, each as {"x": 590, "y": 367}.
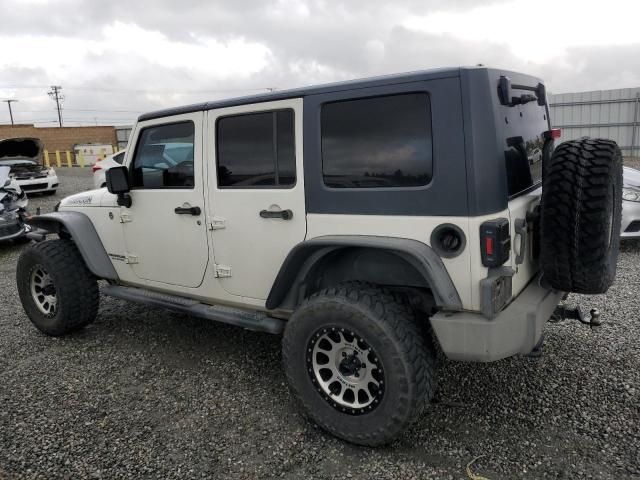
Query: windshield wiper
{"x": 507, "y": 98}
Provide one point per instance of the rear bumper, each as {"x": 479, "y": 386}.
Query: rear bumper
{"x": 517, "y": 329}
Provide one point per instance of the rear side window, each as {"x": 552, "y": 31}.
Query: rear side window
{"x": 377, "y": 142}
{"x": 164, "y": 157}
{"x": 256, "y": 150}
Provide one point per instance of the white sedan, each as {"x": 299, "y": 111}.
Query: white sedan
{"x": 101, "y": 167}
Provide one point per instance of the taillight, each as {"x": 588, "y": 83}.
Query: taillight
{"x": 553, "y": 133}
{"x": 495, "y": 242}
{"x": 96, "y": 167}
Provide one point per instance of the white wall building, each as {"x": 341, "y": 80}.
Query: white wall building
{"x": 613, "y": 114}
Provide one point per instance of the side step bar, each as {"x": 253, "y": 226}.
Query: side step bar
{"x": 257, "y": 321}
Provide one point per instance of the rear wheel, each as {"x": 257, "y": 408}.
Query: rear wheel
{"x": 56, "y": 289}
{"x": 358, "y": 363}
{"x": 581, "y": 211}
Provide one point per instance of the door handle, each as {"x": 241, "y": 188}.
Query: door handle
{"x": 283, "y": 214}
{"x": 521, "y": 229}
{"x": 188, "y": 210}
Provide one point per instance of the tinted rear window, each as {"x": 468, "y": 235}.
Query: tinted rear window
{"x": 377, "y": 142}
{"x": 524, "y": 146}
{"x": 256, "y": 150}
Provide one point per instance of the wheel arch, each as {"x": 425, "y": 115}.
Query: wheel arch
{"x": 82, "y": 232}
{"x": 382, "y": 260}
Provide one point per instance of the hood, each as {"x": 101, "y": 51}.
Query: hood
{"x": 631, "y": 177}
{"x": 22, "y": 149}
{"x": 90, "y": 198}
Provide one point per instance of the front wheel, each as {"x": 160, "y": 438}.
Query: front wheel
{"x": 357, "y": 361}
{"x": 57, "y": 291}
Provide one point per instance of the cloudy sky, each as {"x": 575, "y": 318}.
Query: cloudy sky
{"x": 115, "y": 59}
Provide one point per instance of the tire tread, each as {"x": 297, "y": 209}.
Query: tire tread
{"x": 576, "y": 206}
{"x": 394, "y": 316}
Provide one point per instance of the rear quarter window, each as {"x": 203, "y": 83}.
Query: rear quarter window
{"x": 524, "y": 146}
{"x": 377, "y": 142}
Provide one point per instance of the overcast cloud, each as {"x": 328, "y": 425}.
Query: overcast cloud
{"x": 115, "y": 59}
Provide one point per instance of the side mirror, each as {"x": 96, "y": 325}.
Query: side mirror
{"x": 118, "y": 180}
{"x": 118, "y": 183}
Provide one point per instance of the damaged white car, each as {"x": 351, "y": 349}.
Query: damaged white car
{"x": 13, "y": 204}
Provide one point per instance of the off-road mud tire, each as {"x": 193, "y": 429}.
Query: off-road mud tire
{"x": 390, "y": 327}
{"x": 581, "y": 210}
{"x": 76, "y": 288}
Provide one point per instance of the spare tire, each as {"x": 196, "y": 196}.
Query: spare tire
{"x": 581, "y": 210}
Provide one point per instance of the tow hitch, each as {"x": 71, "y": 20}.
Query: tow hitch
{"x": 562, "y": 313}
{"x": 565, "y": 313}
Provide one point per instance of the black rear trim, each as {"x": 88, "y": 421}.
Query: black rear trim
{"x": 306, "y": 254}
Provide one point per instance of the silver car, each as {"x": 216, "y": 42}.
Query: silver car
{"x": 631, "y": 203}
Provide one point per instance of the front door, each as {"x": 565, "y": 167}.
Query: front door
{"x": 164, "y": 229}
{"x": 257, "y": 186}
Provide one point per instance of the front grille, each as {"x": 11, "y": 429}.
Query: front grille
{"x": 633, "y": 227}
{"x": 11, "y": 229}
{"x": 30, "y": 176}
{"x": 33, "y": 186}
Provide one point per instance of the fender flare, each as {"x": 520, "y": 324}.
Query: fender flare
{"x": 305, "y": 255}
{"x": 84, "y": 235}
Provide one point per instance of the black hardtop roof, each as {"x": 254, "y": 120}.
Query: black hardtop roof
{"x": 313, "y": 90}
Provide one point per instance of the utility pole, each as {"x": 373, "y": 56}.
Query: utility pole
{"x": 10, "y": 112}
{"x": 58, "y": 97}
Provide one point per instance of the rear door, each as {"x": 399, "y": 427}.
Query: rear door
{"x": 523, "y": 132}
{"x": 257, "y": 186}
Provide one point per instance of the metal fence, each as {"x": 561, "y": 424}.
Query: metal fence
{"x": 613, "y": 114}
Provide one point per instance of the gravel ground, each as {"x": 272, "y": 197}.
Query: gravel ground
{"x": 143, "y": 393}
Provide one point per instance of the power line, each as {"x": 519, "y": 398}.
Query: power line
{"x": 126, "y": 90}
{"x": 84, "y": 110}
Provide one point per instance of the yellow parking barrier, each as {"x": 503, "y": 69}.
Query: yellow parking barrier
{"x": 80, "y": 158}
{"x": 46, "y": 159}
{"x": 68, "y": 158}
{"x": 58, "y": 161}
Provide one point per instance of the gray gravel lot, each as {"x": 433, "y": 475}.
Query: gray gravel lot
{"x": 144, "y": 393}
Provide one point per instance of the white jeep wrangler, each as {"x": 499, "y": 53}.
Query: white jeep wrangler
{"x": 370, "y": 222}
